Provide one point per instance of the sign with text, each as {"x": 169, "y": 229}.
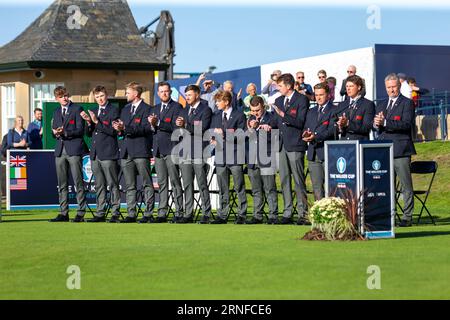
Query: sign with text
{"x": 341, "y": 168}
{"x": 377, "y": 183}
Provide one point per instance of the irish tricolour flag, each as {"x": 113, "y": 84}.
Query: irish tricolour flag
{"x": 18, "y": 173}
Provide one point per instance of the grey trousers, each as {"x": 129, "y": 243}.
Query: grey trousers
{"x": 63, "y": 164}
{"x": 189, "y": 169}
{"x": 166, "y": 169}
{"x": 317, "y": 175}
{"x": 293, "y": 163}
{"x": 131, "y": 168}
{"x": 402, "y": 168}
{"x": 223, "y": 180}
{"x": 263, "y": 184}
{"x": 106, "y": 174}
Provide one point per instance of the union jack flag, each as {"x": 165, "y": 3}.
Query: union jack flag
{"x": 18, "y": 161}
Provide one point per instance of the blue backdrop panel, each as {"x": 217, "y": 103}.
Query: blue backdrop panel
{"x": 430, "y": 65}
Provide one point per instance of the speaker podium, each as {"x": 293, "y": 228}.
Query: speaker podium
{"x": 364, "y": 170}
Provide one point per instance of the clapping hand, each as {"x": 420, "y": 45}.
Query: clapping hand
{"x": 118, "y": 125}
{"x": 153, "y": 120}
{"x": 342, "y": 121}
{"x": 379, "y": 119}
{"x": 278, "y": 111}
{"x": 93, "y": 117}
{"x": 308, "y": 135}
{"x": 85, "y": 116}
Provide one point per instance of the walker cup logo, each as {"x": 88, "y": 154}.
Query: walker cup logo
{"x": 87, "y": 169}
{"x": 376, "y": 165}
{"x": 341, "y": 165}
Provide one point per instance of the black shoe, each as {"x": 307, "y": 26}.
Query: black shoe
{"x": 129, "y": 220}
{"x": 219, "y": 221}
{"x": 185, "y": 220}
{"x": 254, "y": 221}
{"x": 60, "y": 218}
{"x": 272, "y": 221}
{"x": 98, "y": 219}
{"x": 303, "y": 222}
{"x": 286, "y": 221}
{"x": 148, "y": 219}
{"x": 78, "y": 219}
{"x": 160, "y": 220}
{"x": 405, "y": 223}
{"x": 176, "y": 219}
{"x": 204, "y": 220}
{"x": 115, "y": 219}
{"x": 240, "y": 220}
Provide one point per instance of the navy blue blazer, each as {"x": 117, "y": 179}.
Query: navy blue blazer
{"x": 360, "y": 119}
{"x": 236, "y": 121}
{"x": 399, "y": 126}
{"x": 267, "y": 118}
{"x": 74, "y": 129}
{"x": 136, "y": 139}
{"x": 104, "y": 144}
{"x": 200, "y": 117}
{"x": 291, "y": 125}
{"x": 323, "y": 128}
{"x": 162, "y": 144}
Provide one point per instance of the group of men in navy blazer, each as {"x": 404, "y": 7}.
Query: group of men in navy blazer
{"x": 141, "y": 132}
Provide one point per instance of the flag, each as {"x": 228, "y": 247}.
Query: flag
{"x": 17, "y": 173}
{"x": 18, "y": 161}
{"x": 18, "y": 184}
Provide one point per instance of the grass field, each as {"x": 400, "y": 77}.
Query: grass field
{"x": 225, "y": 261}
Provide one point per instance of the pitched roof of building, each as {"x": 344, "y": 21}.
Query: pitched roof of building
{"x": 99, "y": 34}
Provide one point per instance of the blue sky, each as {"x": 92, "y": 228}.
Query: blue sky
{"x": 234, "y": 37}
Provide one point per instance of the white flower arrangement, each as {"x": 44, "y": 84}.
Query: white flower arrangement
{"x": 330, "y": 221}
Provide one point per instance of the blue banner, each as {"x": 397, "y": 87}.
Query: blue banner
{"x": 341, "y": 169}
{"x": 32, "y": 181}
{"x": 377, "y": 185}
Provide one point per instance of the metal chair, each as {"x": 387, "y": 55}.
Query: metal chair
{"x": 424, "y": 167}
{"x": 421, "y": 168}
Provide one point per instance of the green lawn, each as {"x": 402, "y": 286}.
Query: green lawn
{"x": 225, "y": 261}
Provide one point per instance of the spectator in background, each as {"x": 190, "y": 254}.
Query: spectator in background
{"x": 271, "y": 87}
{"x": 416, "y": 91}
{"x": 251, "y": 91}
{"x": 331, "y": 81}
{"x": 35, "y": 130}
{"x": 210, "y": 88}
{"x": 236, "y": 101}
{"x": 303, "y": 87}
{"x": 18, "y": 137}
{"x": 405, "y": 89}
{"x": 351, "y": 71}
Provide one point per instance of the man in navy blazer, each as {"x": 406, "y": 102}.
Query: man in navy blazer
{"x": 319, "y": 128}
{"x": 394, "y": 121}
{"x": 226, "y": 126}
{"x": 262, "y": 161}
{"x": 104, "y": 153}
{"x": 194, "y": 121}
{"x": 164, "y": 123}
{"x": 291, "y": 109}
{"x": 68, "y": 128}
{"x": 355, "y": 114}
{"x": 135, "y": 145}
